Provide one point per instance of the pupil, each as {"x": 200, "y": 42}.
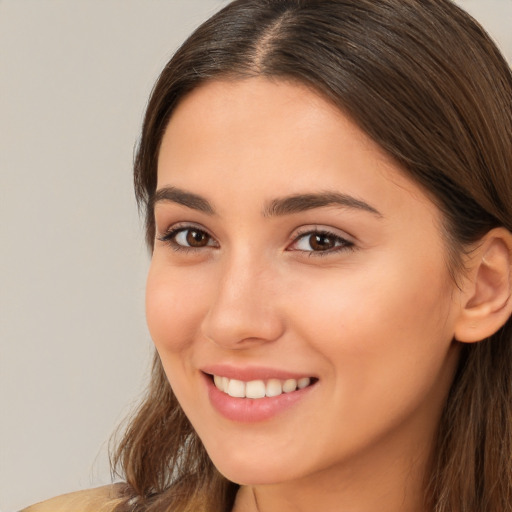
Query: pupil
{"x": 197, "y": 238}
{"x": 321, "y": 242}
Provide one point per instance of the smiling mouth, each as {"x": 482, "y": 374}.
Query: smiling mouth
{"x": 255, "y": 389}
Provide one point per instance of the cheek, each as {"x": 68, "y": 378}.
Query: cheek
{"x": 175, "y": 304}
{"x": 175, "y": 301}
{"x": 385, "y": 343}
{"x": 373, "y": 325}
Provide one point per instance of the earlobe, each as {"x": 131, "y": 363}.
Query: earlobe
{"x": 486, "y": 297}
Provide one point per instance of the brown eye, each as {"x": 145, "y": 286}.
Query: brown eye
{"x": 318, "y": 242}
{"x": 188, "y": 238}
{"x": 193, "y": 238}
{"x": 321, "y": 242}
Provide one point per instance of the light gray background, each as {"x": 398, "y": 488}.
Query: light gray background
{"x": 74, "y": 79}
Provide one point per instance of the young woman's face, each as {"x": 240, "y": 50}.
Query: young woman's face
{"x": 292, "y": 254}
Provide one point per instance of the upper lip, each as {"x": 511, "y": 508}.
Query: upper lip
{"x": 248, "y": 373}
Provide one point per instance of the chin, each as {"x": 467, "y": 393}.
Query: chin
{"x": 244, "y": 469}
{"x": 253, "y": 476}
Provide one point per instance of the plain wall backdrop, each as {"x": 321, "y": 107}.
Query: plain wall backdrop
{"x": 75, "y": 76}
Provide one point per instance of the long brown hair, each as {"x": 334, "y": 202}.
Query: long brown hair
{"x": 424, "y": 81}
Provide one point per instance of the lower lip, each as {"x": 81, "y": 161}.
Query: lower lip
{"x": 249, "y": 410}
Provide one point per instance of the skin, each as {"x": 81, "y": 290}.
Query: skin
{"x": 373, "y": 322}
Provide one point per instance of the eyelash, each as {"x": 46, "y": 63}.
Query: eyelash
{"x": 344, "y": 244}
{"x": 169, "y": 238}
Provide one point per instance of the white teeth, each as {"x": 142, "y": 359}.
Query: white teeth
{"x": 258, "y": 388}
{"x": 303, "y": 383}
{"x": 218, "y": 382}
{"x": 255, "y": 389}
{"x": 289, "y": 385}
{"x": 236, "y": 388}
{"x": 273, "y": 387}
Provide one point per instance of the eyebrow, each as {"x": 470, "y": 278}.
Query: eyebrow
{"x": 303, "y": 202}
{"x": 179, "y": 196}
{"x": 274, "y": 208}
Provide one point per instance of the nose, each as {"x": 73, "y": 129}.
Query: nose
{"x": 244, "y": 310}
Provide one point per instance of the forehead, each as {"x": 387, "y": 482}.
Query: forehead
{"x": 268, "y": 136}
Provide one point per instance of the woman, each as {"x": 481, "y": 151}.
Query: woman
{"x": 328, "y": 198}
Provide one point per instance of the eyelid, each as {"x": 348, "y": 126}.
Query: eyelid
{"x": 343, "y": 241}
{"x": 347, "y": 241}
{"x": 169, "y": 235}
{"x": 321, "y": 228}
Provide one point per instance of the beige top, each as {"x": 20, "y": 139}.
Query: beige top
{"x": 100, "y": 499}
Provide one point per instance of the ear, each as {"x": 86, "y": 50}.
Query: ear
{"x": 486, "y": 302}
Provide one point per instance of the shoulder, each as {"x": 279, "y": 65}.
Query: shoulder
{"x": 100, "y": 499}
